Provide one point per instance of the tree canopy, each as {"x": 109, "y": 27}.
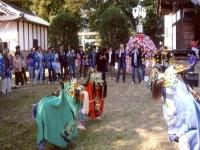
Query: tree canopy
{"x": 113, "y": 27}
{"x": 49, "y": 8}
{"x": 93, "y": 11}
{"x": 63, "y": 30}
{"x": 153, "y": 24}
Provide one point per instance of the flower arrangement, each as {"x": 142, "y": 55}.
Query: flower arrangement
{"x": 144, "y": 41}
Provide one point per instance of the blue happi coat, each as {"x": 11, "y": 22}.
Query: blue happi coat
{"x": 30, "y": 59}
{"x": 5, "y": 67}
{"x": 2, "y": 66}
{"x": 38, "y": 61}
{"x": 49, "y": 59}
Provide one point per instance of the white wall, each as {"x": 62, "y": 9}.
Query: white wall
{"x": 168, "y": 19}
{"x": 8, "y": 33}
{"x": 40, "y": 35}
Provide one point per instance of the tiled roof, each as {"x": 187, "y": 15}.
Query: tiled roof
{"x": 9, "y": 17}
{"x": 35, "y": 19}
{"x": 12, "y": 13}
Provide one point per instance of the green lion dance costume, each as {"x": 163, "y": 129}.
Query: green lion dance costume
{"x": 56, "y": 116}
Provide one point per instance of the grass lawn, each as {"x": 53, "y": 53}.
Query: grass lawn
{"x": 17, "y": 128}
{"x": 131, "y": 120}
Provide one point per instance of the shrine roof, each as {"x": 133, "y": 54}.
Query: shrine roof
{"x": 11, "y": 13}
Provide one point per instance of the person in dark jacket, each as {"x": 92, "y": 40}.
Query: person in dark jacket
{"x": 136, "y": 63}
{"x": 63, "y": 61}
{"x": 71, "y": 57}
{"x": 158, "y": 57}
{"x": 102, "y": 62}
{"x": 92, "y": 58}
{"x": 80, "y": 60}
{"x": 111, "y": 62}
{"x": 121, "y": 59}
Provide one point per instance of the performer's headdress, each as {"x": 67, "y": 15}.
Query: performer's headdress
{"x": 170, "y": 75}
{"x": 73, "y": 87}
{"x": 96, "y": 77}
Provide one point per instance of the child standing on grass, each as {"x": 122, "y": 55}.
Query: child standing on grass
{"x": 18, "y": 64}
{"x": 57, "y": 69}
{"x": 30, "y": 64}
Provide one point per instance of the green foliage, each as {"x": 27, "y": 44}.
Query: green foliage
{"x": 153, "y": 24}
{"x": 113, "y": 27}
{"x": 48, "y": 8}
{"x": 63, "y": 30}
{"x": 24, "y": 4}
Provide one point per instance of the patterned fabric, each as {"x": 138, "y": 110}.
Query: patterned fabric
{"x": 72, "y": 87}
{"x": 96, "y": 101}
{"x": 170, "y": 77}
{"x": 81, "y": 117}
{"x": 153, "y": 76}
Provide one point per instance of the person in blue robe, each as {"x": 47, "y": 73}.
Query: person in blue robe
{"x": 49, "y": 60}
{"x": 39, "y": 65}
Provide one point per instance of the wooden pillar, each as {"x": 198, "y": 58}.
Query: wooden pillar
{"x": 28, "y": 38}
{"x": 18, "y": 31}
{"x": 23, "y": 37}
{"x": 41, "y": 37}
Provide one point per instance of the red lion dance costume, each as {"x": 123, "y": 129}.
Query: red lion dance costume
{"x": 96, "y": 89}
